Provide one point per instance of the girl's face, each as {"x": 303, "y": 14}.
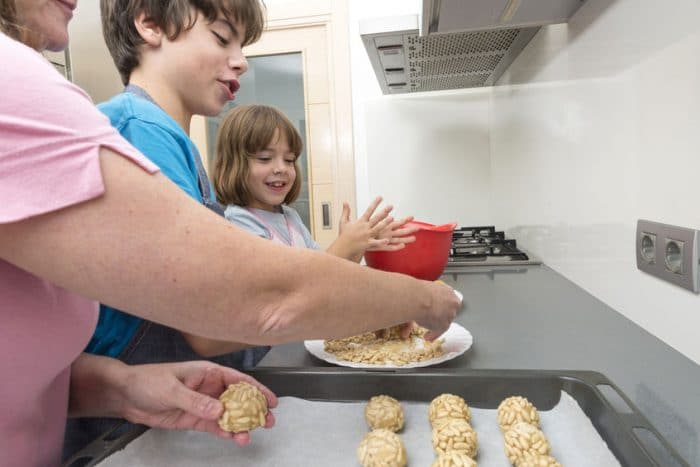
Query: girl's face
{"x": 48, "y": 19}
{"x": 271, "y": 174}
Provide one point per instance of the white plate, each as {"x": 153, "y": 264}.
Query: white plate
{"x": 457, "y": 341}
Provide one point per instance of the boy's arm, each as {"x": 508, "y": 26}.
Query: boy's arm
{"x": 208, "y": 348}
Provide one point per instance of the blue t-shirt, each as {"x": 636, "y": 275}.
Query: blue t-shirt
{"x": 153, "y": 132}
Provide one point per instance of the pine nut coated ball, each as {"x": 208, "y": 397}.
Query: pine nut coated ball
{"x": 454, "y": 434}
{"x": 384, "y": 412}
{"x": 245, "y": 408}
{"x": 454, "y": 459}
{"x": 517, "y": 409}
{"x": 523, "y": 439}
{"x": 448, "y": 406}
{"x": 381, "y": 448}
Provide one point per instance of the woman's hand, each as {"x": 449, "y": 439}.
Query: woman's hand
{"x": 184, "y": 396}
{"x": 177, "y": 396}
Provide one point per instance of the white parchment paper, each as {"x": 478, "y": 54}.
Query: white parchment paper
{"x": 310, "y": 433}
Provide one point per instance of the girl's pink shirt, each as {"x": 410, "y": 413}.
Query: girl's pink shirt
{"x": 50, "y": 135}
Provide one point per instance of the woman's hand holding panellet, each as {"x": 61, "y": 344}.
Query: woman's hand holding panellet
{"x": 181, "y": 396}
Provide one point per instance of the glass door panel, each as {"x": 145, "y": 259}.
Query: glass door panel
{"x": 276, "y": 80}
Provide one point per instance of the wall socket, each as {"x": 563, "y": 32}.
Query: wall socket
{"x": 669, "y": 252}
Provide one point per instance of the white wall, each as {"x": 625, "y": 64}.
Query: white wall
{"x": 403, "y": 144}
{"x": 595, "y": 125}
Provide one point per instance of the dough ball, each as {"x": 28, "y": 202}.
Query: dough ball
{"x": 454, "y": 434}
{"x": 245, "y": 408}
{"x": 528, "y": 460}
{"x": 448, "y": 406}
{"x": 523, "y": 438}
{"x": 381, "y": 448}
{"x": 454, "y": 459}
{"x": 517, "y": 409}
{"x": 384, "y": 412}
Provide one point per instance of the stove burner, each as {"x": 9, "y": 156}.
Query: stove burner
{"x": 474, "y": 244}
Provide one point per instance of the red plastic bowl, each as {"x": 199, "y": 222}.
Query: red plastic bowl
{"x": 423, "y": 259}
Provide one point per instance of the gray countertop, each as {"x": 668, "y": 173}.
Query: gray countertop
{"x": 530, "y": 317}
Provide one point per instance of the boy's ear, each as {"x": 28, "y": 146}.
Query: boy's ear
{"x": 149, "y": 31}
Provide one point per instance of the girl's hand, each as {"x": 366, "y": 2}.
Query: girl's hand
{"x": 397, "y": 235}
{"x": 355, "y": 237}
{"x": 184, "y": 396}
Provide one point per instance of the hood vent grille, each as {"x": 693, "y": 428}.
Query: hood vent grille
{"x": 404, "y": 61}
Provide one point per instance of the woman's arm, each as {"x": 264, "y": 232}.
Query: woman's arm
{"x": 181, "y": 396}
{"x": 146, "y": 248}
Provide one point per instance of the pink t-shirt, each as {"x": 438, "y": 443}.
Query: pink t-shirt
{"x": 50, "y": 135}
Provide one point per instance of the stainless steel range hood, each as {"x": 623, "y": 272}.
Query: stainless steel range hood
{"x": 459, "y": 43}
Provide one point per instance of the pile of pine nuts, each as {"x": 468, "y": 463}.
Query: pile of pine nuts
{"x": 385, "y": 348}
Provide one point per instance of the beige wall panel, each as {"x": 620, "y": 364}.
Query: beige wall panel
{"x": 341, "y": 104}
{"x": 320, "y": 142}
{"x": 285, "y": 9}
{"x": 317, "y": 67}
{"x": 324, "y": 193}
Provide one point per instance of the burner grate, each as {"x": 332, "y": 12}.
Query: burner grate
{"x": 479, "y": 243}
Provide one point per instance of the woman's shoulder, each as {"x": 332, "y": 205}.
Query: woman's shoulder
{"x": 31, "y": 75}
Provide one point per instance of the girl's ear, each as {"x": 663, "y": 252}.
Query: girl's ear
{"x": 149, "y": 31}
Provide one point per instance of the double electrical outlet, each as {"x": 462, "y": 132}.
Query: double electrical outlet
{"x": 669, "y": 252}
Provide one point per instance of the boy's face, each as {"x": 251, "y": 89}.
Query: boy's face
{"x": 203, "y": 65}
{"x": 271, "y": 174}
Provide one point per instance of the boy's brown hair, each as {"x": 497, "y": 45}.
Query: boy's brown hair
{"x": 174, "y": 17}
{"x": 244, "y": 131}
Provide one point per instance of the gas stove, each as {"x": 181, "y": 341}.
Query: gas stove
{"x": 486, "y": 246}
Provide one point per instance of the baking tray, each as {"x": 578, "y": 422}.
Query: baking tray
{"x": 629, "y": 435}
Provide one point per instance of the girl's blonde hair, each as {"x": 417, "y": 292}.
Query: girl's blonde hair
{"x": 244, "y": 131}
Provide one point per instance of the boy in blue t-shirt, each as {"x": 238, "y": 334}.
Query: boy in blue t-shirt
{"x": 176, "y": 61}
{"x": 177, "y": 58}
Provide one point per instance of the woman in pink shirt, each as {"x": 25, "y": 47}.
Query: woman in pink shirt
{"x": 83, "y": 217}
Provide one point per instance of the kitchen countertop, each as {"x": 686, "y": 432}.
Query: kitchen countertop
{"x": 531, "y": 317}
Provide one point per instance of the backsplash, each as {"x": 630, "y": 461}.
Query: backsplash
{"x": 595, "y": 125}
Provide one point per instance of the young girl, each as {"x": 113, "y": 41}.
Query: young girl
{"x": 255, "y": 175}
